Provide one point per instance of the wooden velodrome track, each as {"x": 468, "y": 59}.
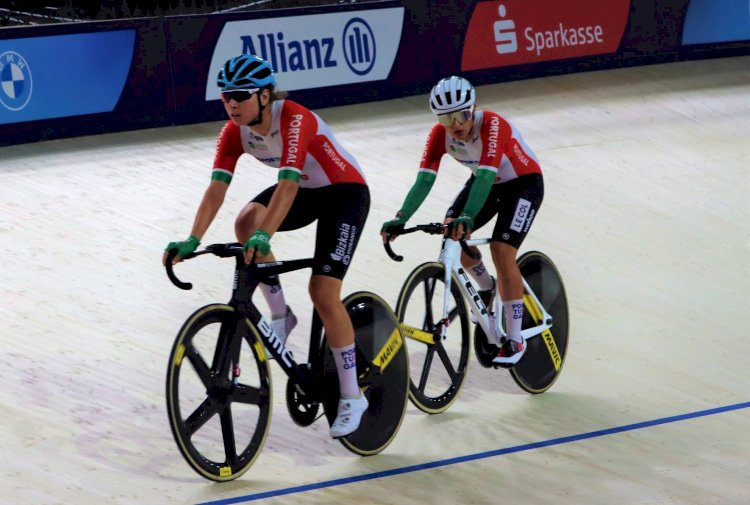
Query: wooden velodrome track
{"x": 646, "y": 214}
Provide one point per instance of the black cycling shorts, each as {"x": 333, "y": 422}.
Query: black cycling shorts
{"x": 515, "y": 203}
{"x": 341, "y": 211}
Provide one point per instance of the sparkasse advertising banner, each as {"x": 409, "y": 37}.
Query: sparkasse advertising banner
{"x": 314, "y": 51}
{"x": 516, "y": 32}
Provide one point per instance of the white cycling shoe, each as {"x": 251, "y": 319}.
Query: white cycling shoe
{"x": 349, "y": 416}
{"x": 510, "y": 352}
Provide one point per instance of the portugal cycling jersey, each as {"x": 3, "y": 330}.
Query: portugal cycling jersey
{"x": 298, "y": 140}
{"x": 494, "y": 145}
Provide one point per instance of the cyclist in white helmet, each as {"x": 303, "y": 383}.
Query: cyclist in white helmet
{"x": 506, "y": 181}
{"x": 313, "y": 171}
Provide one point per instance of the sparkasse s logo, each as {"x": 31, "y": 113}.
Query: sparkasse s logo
{"x": 514, "y": 32}
{"x": 506, "y": 40}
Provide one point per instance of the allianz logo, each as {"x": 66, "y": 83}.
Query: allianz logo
{"x": 288, "y": 54}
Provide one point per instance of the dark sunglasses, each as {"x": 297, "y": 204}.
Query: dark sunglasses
{"x": 238, "y": 95}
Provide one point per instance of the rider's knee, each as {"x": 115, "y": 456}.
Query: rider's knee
{"x": 248, "y": 220}
{"x": 469, "y": 262}
{"x": 504, "y": 257}
{"x": 318, "y": 294}
{"x": 325, "y": 297}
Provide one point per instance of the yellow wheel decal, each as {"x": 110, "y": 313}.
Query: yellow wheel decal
{"x": 389, "y": 350}
{"x": 549, "y": 341}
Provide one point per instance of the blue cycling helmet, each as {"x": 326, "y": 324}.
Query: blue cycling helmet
{"x": 246, "y": 71}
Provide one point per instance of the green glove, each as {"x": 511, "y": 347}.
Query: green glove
{"x": 465, "y": 220}
{"x": 394, "y": 226}
{"x": 186, "y": 247}
{"x": 260, "y": 241}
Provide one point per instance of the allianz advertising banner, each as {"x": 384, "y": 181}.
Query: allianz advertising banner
{"x": 316, "y": 50}
{"x": 63, "y": 75}
{"x": 516, "y": 32}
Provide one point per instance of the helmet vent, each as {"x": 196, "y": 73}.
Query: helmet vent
{"x": 246, "y": 71}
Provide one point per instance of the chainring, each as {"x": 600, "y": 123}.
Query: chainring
{"x": 302, "y": 409}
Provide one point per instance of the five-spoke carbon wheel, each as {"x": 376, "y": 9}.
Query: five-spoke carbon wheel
{"x": 218, "y": 393}
{"x": 438, "y": 365}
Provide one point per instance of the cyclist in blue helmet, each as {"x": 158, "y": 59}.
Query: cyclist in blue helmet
{"x": 313, "y": 171}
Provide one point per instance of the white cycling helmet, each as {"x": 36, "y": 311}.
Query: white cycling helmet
{"x": 451, "y": 94}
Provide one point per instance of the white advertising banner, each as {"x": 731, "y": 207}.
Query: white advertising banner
{"x": 316, "y": 50}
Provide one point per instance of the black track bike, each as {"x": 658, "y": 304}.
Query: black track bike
{"x": 218, "y": 387}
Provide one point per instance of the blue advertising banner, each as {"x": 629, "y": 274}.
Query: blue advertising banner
{"x": 709, "y": 21}
{"x": 84, "y": 74}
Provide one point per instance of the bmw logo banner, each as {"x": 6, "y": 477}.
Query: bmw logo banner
{"x": 85, "y": 74}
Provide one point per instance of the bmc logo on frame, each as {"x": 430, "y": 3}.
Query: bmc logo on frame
{"x": 515, "y": 32}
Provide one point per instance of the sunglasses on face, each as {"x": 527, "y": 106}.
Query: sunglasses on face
{"x": 238, "y": 95}
{"x": 459, "y": 116}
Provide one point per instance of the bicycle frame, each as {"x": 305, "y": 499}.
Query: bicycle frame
{"x": 442, "y": 352}
{"x": 246, "y": 280}
{"x": 450, "y": 257}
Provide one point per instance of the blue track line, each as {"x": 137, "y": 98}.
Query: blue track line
{"x": 473, "y": 457}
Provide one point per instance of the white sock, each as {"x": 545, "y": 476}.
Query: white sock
{"x": 513, "y": 317}
{"x": 274, "y": 296}
{"x": 346, "y": 366}
{"x": 480, "y": 274}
